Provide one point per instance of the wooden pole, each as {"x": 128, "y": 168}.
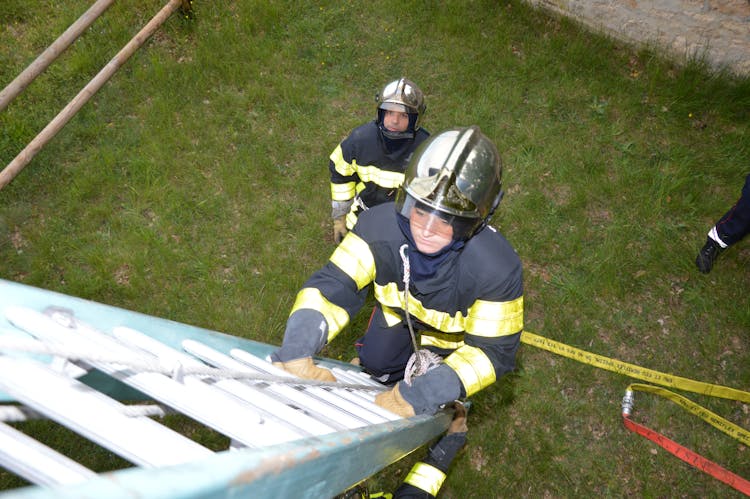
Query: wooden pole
{"x": 59, "y": 121}
{"x": 52, "y": 52}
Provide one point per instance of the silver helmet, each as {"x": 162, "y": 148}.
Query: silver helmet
{"x": 401, "y": 95}
{"x": 457, "y": 174}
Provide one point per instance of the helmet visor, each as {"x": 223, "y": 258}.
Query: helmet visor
{"x": 393, "y": 106}
{"x": 424, "y": 217}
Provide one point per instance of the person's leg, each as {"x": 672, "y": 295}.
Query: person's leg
{"x": 384, "y": 351}
{"x": 731, "y": 227}
{"x": 735, "y": 223}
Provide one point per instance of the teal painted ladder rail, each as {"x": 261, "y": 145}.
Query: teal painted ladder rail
{"x": 75, "y": 362}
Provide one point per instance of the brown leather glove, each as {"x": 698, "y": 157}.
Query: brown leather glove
{"x": 306, "y": 369}
{"x": 339, "y": 229}
{"x": 394, "y": 402}
{"x": 458, "y": 425}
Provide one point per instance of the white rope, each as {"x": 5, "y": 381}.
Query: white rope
{"x": 21, "y": 413}
{"x": 422, "y": 360}
{"x": 175, "y": 370}
{"x": 407, "y": 276}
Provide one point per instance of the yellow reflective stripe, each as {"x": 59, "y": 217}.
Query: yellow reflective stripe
{"x": 335, "y": 316}
{"x": 354, "y": 257}
{"x": 391, "y": 317}
{"x": 492, "y": 319}
{"x": 485, "y": 318}
{"x": 340, "y": 164}
{"x": 390, "y": 296}
{"x": 383, "y": 178}
{"x": 342, "y": 192}
{"x": 447, "y": 341}
{"x": 426, "y": 477}
{"x": 473, "y": 367}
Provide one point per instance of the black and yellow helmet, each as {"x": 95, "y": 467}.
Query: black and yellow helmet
{"x": 401, "y": 95}
{"x": 457, "y": 174}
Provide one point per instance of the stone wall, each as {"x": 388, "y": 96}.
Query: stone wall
{"x": 718, "y": 30}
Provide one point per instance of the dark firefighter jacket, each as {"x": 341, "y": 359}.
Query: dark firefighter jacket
{"x": 362, "y": 166}
{"x": 472, "y": 307}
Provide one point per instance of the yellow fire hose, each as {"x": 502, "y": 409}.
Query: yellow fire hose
{"x": 668, "y": 380}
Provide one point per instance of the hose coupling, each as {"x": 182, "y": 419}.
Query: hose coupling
{"x": 627, "y": 403}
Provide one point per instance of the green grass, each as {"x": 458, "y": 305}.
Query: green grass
{"x": 193, "y": 186}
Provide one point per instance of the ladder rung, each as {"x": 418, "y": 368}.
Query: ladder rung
{"x": 192, "y": 396}
{"x": 36, "y": 462}
{"x": 269, "y": 407}
{"x": 95, "y": 416}
{"x": 323, "y": 412}
{"x": 338, "y": 397}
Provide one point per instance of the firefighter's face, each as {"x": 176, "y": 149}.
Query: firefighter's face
{"x": 396, "y": 121}
{"x": 430, "y": 232}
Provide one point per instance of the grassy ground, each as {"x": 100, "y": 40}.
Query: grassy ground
{"x": 193, "y": 187}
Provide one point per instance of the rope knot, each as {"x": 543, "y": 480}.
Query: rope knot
{"x": 419, "y": 363}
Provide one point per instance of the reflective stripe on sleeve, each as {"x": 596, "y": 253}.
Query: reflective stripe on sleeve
{"x": 335, "y": 316}
{"x": 340, "y": 164}
{"x": 491, "y": 319}
{"x": 342, "y": 192}
{"x": 426, "y": 477}
{"x": 473, "y": 368}
{"x": 354, "y": 258}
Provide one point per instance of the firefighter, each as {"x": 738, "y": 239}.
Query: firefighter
{"x": 448, "y": 287}
{"x": 368, "y": 166}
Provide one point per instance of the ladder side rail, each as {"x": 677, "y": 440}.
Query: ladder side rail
{"x": 315, "y": 467}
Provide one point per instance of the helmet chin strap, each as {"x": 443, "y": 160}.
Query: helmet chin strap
{"x": 396, "y": 135}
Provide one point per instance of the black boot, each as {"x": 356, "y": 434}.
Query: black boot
{"x": 707, "y": 255}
